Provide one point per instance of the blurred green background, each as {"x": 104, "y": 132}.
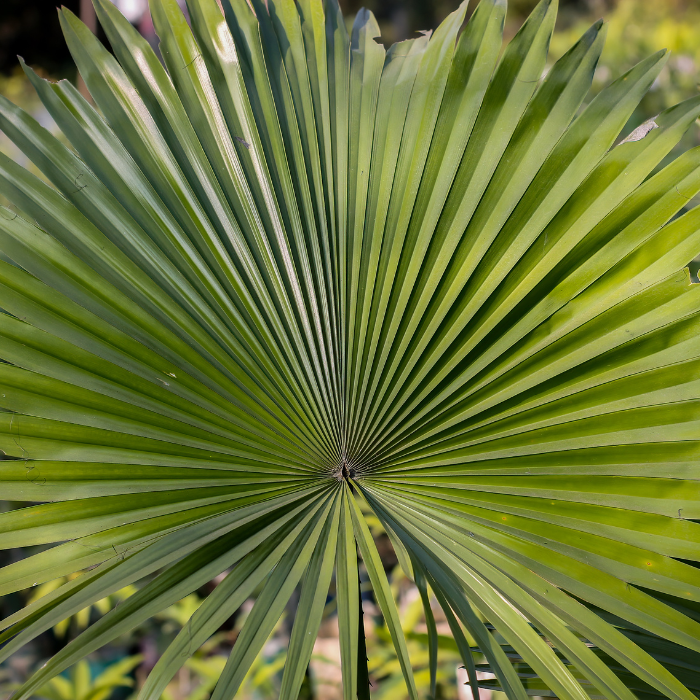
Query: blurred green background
{"x": 637, "y": 28}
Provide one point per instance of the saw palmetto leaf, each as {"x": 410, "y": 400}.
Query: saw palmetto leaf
{"x": 287, "y": 277}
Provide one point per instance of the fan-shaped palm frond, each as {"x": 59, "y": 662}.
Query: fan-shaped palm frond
{"x": 291, "y": 276}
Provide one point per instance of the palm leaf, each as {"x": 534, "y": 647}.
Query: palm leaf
{"x": 289, "y": 276}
